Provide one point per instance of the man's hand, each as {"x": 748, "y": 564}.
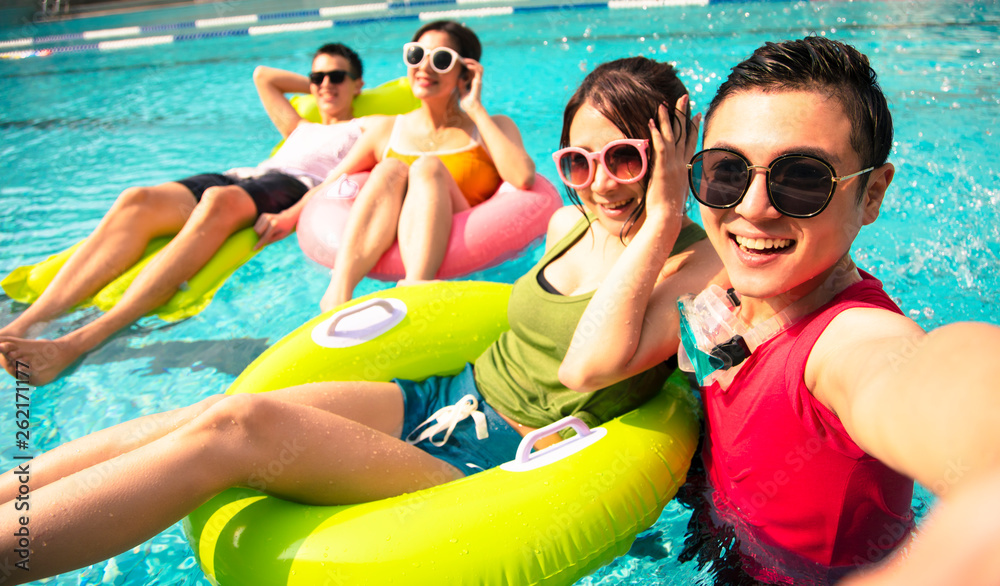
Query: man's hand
{"x": 273, "y": 227}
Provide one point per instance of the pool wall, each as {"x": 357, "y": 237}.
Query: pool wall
{"x": 260, "y": 17}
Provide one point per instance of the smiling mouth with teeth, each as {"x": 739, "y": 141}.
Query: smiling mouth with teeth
{"x": 617, "y": 205}
{"x": 759, "y": 245}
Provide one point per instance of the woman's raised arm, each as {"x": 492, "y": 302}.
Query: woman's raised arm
{"x": 500, "y": 135}
{"x": 632, "y": 321}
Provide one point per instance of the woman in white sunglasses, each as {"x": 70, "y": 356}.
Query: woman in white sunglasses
{"x": 446, "y": 156}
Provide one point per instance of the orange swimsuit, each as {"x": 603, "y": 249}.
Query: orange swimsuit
{"x": 470, "y": 166}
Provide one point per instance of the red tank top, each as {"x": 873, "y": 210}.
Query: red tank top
{"x": 804, "y": 499}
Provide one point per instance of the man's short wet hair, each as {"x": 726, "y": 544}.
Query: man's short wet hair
{"x": 347, "y": 53}
{"x": 823, "y": 65}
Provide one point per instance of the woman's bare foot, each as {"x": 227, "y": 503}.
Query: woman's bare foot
{"x": 332, "y": 298}
{"x": 41, "y": 360}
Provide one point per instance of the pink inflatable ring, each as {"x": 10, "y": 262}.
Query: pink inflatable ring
{"x": 481, "y": 237}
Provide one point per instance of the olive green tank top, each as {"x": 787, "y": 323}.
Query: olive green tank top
{"x": 519, "y": 374}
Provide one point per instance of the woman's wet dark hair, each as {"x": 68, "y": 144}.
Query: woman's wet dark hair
{"x": 347, "y": 53}
{"x": 467, "y": 41}
{"x": 627, "y": 92}
{"x": 828, "y": 66}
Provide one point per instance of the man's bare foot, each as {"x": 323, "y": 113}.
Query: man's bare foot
{"x": 41, "y": 360}
{"x": 16, "y": 329}
{"x": 19, "y": 329}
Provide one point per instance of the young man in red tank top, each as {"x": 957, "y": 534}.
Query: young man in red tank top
{"x": 832, "y": 400}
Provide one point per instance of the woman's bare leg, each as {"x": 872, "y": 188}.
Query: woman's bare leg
{"x": 326, "y": 459}
{"x": 137, "y": 216}
{"x": 101, "y": 446}
{"x": 432, "y": 199}
{"x": 349, "y": 399}
{"x": 370, "y": 230}
{"x": 221, "y": 212}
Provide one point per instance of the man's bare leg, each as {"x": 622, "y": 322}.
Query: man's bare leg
{"x": 137, "y": 216}
{"x": 221, "y": 212}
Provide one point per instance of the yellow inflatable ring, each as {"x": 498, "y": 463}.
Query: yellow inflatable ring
{"x": 548, "y": 525}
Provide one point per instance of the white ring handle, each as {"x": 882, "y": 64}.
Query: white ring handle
{"x": 525, "y": 460}
{"x": 343, "y": 188}
{"x": 340, "y": 315}
{"x": 363, "y": 327}
{"x": 529, "y": 441}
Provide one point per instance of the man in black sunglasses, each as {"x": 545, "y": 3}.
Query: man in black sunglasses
{"x": 823, "y": 402}
{"x": 203, "y": 211}
{"x": 828, "y": 400}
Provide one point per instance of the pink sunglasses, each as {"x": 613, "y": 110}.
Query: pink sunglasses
{"x": 624, "y": 160}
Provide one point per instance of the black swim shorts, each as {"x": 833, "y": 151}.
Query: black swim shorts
{"x": 271, "y": 192}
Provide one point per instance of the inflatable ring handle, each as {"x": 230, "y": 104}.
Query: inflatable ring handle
{"x": 526, "y": 460}
{"x": 529, "y": 441}
{"x": 346, "y": 188}
{"x": 331, "y": 329}
{"x": 325, "y": 332}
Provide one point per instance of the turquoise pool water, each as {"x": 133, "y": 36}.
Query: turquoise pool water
{"x": 77, "y": 128}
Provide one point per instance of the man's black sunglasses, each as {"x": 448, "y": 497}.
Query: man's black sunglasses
{"x": 336, "y": 76}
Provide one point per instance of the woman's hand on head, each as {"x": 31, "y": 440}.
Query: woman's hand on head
{"x": 470, "y": 90}
{"x": 673, "y": 146}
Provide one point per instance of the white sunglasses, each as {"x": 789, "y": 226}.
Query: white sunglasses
{"x": 443, "y": 59}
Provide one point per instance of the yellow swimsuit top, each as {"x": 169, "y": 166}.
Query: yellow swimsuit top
{"x": 470, "y": 166}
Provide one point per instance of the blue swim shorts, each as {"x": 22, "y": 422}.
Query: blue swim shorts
{"x": 463, "y": 450}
